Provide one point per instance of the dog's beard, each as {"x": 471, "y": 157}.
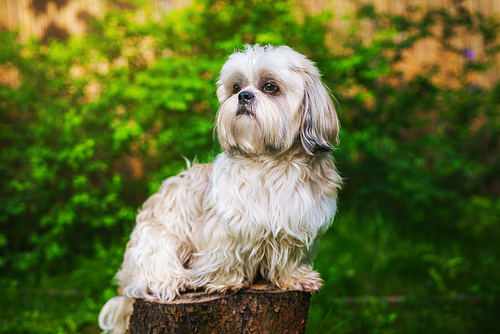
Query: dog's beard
{"x": 246, "y": 131}
{"x": 265, "y": 126}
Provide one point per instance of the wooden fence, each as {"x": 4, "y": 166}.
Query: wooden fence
{"x": 62, "y": 18}
{"x": 426, "y": 52}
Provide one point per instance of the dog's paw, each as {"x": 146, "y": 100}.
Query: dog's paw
{"x": 186, "y": 285}
{"x": 308, "y": 282}
{"x": 311, "y": 283}
{"x": 229, "y": 290}
{"x": 224, "y": 288}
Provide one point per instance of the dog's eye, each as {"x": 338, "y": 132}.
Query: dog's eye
{"x": 236, "y": 89}
{"x": 269, "y": 88}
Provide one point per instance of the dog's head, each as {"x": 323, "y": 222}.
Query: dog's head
{"x": 272, "y": 98}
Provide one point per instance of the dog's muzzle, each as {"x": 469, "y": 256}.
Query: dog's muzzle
{"x": 244, "y": 100}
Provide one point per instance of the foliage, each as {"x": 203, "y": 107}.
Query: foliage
{"x": 426, "y": 156}
{"x": 98, "y": 122}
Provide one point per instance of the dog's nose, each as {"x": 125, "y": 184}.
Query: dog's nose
{"x": 245, "y": 97}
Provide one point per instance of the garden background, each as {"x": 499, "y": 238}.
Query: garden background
{"x": 92, "y": 122}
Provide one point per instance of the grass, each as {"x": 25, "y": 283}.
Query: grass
{"x": 377, "y": 280}
{"x": 403, "y": 284}
{"x": 28, "y": 309}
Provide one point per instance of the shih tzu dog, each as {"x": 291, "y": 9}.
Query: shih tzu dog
{"x": 258, "y": 208}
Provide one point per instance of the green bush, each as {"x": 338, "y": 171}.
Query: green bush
{"x": 99, "y": 121}
{"x": 426, "y": 156}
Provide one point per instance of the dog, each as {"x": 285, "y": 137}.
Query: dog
{"x": 258, "y": 208}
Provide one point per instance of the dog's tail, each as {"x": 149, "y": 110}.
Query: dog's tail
{"x": 115, "y": 315}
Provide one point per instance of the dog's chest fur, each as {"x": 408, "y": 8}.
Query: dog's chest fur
{"x": 255, "y": 199}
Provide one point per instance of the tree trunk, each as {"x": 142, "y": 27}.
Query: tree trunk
{"x": 259, "y": 309}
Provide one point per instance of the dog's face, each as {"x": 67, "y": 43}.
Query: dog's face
{"x": 273, "y": 98}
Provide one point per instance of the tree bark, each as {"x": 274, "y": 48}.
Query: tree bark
{"x": 259, "y": 309}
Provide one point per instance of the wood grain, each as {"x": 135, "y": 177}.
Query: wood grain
{"x": 259, "y": 309}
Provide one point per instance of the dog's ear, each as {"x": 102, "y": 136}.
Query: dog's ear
{"x": 319, "y": 125}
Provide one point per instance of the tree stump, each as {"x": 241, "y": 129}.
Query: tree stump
{"x": 259, "y": 309}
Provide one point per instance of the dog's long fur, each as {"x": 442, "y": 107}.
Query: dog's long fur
{"x": 261, "y": 204}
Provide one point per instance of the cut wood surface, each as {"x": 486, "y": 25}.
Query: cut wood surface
{"x": 258, "y": 309}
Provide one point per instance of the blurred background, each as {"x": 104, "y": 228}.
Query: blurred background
{"x": 100, "y": 101}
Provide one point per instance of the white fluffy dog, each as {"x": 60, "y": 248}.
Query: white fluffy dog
{"x": 258, "y": 208}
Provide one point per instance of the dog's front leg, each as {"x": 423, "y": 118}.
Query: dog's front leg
{"x": 287, "y": 268}
{"x": 220, "y": 265}
{"x": 218, "y": 268}
{"x": 155, "y": 264}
